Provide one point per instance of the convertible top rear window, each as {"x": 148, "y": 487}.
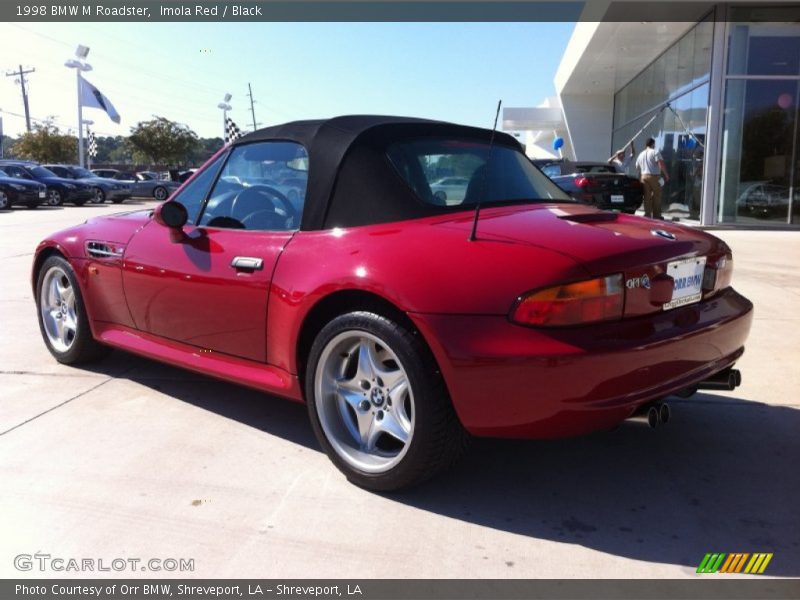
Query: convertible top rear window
{"x": 453, "y": 172}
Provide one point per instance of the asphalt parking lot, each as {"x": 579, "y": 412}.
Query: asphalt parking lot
{"x": 133, "y": 459}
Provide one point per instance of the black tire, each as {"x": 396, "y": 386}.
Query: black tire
{"x": 83, "y": 348}
{"x": 160, "y": 193}
{"x": 5, "y": 202}
{"x": 438, "y": 438}
{"x": 99, "y": 196}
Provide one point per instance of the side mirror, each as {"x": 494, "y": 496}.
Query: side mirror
{"x": 171, "y": 214}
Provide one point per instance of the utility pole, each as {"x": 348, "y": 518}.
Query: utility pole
{"x": 21, "y": 81}
{"x": 252, "y": 108}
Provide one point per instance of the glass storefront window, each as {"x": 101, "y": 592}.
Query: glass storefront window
{"x": 679, "y": 76}
{"x": 759, "y": 150}
{"x": 760, "y": 168}
{"x": 756, "y": 47}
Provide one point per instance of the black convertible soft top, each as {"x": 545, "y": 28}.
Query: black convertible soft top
{"x": 351, "y": 180}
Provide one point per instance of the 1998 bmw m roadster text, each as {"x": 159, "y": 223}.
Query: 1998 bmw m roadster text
{"x": 313, "y": 261}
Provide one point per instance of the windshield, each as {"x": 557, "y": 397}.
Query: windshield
{"x": 452, "y": 172}
{"x": 82, "y": 173}
{"x": 42, "y": 172}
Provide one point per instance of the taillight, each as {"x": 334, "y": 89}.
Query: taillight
{"x": 583, "y": 182}
{"x": 719, "y": 275}
{"x": 588, "y": 301}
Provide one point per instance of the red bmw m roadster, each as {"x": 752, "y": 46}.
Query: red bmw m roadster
{"x": 313, "y": 261}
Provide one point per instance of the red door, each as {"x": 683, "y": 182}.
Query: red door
{"x": 208, "y": 287}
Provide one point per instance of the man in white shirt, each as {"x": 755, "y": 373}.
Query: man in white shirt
{"x": 650, "y": 166}
{"x": 621, "y": 162}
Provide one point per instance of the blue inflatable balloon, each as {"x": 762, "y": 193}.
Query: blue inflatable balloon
{"x": 691, "y": 143}
{"x": 557, "y": 143}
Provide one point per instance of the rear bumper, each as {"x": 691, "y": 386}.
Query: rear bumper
{"x": 511, "y": 381}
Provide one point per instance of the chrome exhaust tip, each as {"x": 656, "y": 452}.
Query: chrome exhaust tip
{"x": 653, "y": 417}
{"x": 727, "y": 380}
{"x": 664, "y": 413}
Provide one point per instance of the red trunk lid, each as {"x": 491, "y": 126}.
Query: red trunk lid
{"x": 606, "y": 243}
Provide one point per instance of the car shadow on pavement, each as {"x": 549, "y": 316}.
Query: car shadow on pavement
{"x": 722, "y": 476}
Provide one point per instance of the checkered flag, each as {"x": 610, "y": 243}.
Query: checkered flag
{"x": 92, "y": 145}
{"x": 232, "y": 131}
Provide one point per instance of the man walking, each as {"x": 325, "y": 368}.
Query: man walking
{"x": 650, "y": 165}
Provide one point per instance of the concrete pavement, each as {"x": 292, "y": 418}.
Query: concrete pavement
{"x": 133, "y": 459}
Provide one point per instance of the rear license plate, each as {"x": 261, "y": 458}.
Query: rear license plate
{"x": 617, "y": 199}
{"x": 41, "y": 194}
{"x": 688, "y": 277}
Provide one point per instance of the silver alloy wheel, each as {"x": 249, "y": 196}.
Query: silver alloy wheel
{"x": 57, "y": 308}
{"x": 4, "y": 203}
{"x": 54, "y": 198}
{"x": 364, "y": 401}
{"x": 99, "y": 196}
{"x": 160, "y": 194}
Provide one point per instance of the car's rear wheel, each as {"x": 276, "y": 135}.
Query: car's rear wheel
{"x": 5, "y": 203}
{"x": 160, "y": 193}
{"x": 54, "y": 198}
{"x": 378, "y": 405}
{"x": 62, "y": 314}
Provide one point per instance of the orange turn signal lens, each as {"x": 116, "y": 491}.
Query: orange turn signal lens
{"x": 590, "y": 301}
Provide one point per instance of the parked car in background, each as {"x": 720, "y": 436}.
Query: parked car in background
{"x": 763, "y": 199}
{"x": 144, "y": 184}
{"x": 450, "y": 190}
{"x": 402, "y": 323}
{"x": 14, "y": 190}
{"x": 59, "y": 189}
{"x": 104, "y": 189}
{"x": 115, "y": 174}
{"x": 595, "y": 183}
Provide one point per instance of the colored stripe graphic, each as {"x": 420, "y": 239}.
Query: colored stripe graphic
{"x": 720, "y": 562}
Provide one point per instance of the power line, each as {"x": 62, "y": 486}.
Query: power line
{"x": 21, "y": 81}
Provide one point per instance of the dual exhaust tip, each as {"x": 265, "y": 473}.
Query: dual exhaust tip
{"x": 727, "y": 380}
{"x": 659, "y": 413}
{"x": 655, "y": 414}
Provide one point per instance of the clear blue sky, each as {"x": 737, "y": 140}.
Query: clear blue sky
{"x": 450, "y": 71}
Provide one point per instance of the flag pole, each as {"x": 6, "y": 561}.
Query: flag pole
{"x": 89, "y": 154}
{"x": 81, "y": 154}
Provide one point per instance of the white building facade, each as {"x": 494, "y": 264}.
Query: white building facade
{"x": 719, "y": 94}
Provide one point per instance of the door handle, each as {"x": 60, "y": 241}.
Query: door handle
{"x": 250, "y": 263}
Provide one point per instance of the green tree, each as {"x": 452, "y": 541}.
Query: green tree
{"x": 161, "y": 141}
{"x": 47, "y": 144}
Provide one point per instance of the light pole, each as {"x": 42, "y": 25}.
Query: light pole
{"x": 80, "y": 65}
{"x": 87, "y": 122}
{"x": 225, "y": 108}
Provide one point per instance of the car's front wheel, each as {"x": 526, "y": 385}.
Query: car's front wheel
{"x": 62, "y": 314}
{"x": 5, "y": 203}
{"x": 54, "y": 198}
{"x": 378, "y": 404}
{"x": 99, "y": 195}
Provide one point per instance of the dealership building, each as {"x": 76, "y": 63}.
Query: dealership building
{"x": 719, "y": 93}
